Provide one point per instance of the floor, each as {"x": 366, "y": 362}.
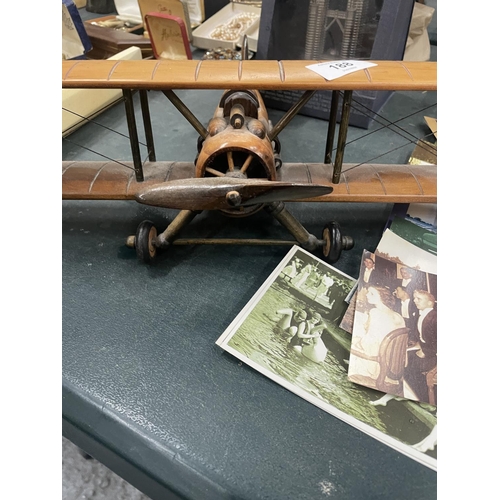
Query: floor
{"x": 82, "y": 476}
{"x": 85, "y": 478}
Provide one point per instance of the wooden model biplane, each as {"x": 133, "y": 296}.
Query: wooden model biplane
{"x": 238, "y": 169}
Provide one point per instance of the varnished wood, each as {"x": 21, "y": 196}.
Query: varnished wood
{"x": 365, "y": 183}
{"x": 216, "y": 193}
{"x": 109, "y": 42}
{"x": 260, "y": 75}
{"x": 237, "y": 140}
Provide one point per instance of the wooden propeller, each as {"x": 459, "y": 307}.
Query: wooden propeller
{"x": 218, "y": 193}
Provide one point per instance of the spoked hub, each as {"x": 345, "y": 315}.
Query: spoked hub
{"x": 237, "y": 164}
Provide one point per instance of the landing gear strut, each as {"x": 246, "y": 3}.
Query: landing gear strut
{"x": 147, "y": 242}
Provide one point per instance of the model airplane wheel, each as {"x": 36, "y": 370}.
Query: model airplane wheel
{"x": 335, "y": 242}
{"x": 144, "y": 241}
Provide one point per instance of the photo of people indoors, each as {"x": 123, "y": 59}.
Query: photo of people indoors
{"x": 394, "y": 335}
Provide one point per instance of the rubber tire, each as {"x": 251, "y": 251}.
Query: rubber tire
{"x": 333, "y": 237}
{"x": 144, "y": 247}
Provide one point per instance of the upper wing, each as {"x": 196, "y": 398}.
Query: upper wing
{"x": 364, "y": 183}
{"x": 259, "y": 75}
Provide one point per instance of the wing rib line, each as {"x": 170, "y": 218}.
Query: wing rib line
{"x": 68, "y": 166}
{"x": 282, "y": 71}
{"x": 309, "y": 178}
{"x": 346, "y": 183}
{"x": 169, "y": 171}
{"x": 153, "y": 73}
{"x": 111, "y": 71}
{"x": 131, "y": 177}
{"x": 416, "y": 180}
{"x": 377, "y": 175}
{"x": 197, "y": 71}
{"x": 71, "y": 69}
{"x": 92, "y": 182}
{"x": 408, "y": 71}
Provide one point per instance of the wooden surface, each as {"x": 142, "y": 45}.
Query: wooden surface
{"x": 107, "y": 42}
{"x": 365, "y": 183}
{"x": 261, "y": 75}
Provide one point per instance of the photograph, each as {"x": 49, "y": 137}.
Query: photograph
{"x": 397, "y": 249}
{"x": 311, "y": 279}
{"x": 394, "y": 334}
{"x": 420, "y": 236}
{"x": 400, "y": 250}
{"x": 288, "y": 335}
{"x": 423, "y": 213}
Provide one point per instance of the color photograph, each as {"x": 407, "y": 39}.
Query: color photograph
{"x": 394, "y": 335}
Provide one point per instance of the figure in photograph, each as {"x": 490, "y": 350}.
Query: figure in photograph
{"x": 423, "y": 360}
{"x": 290, "y": 320}
{"x": 301, "y": 278}
{"x": 310, "y": 343}
{"x": 313, "y": 280}
{"x": 411, "y": 279}
{"x": 304, "y": 335}
{"x": 371, "y": 328}
{"x": 368, "y": 274}
{"x": 306, "y": 330}
{"x": 290, "y": 271}
{"x": 324, "y": 286}
{"x": 405, "y": 306}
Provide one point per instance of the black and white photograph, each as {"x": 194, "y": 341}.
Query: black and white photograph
{"x": 313, "y": 280}
{"x": 290, "y": 336}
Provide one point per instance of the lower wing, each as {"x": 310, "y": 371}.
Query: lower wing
{"x": 375, "y": 183}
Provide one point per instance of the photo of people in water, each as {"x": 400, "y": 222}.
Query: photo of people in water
{"x": 289, "y": 331}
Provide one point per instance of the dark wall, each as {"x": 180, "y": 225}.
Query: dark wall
{"x": 213, "y": 6}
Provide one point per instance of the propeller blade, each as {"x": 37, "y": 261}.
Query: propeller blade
{"x": 217, "y": 193}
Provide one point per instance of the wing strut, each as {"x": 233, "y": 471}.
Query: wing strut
{"x": 128, "y": 99}
{"x": 286, "y": 118}
{"x": 148, "y": 130}
{"x": 344, "y": 125}
{"x": 332, "y": 122}
{"x": 132, "y": 132}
